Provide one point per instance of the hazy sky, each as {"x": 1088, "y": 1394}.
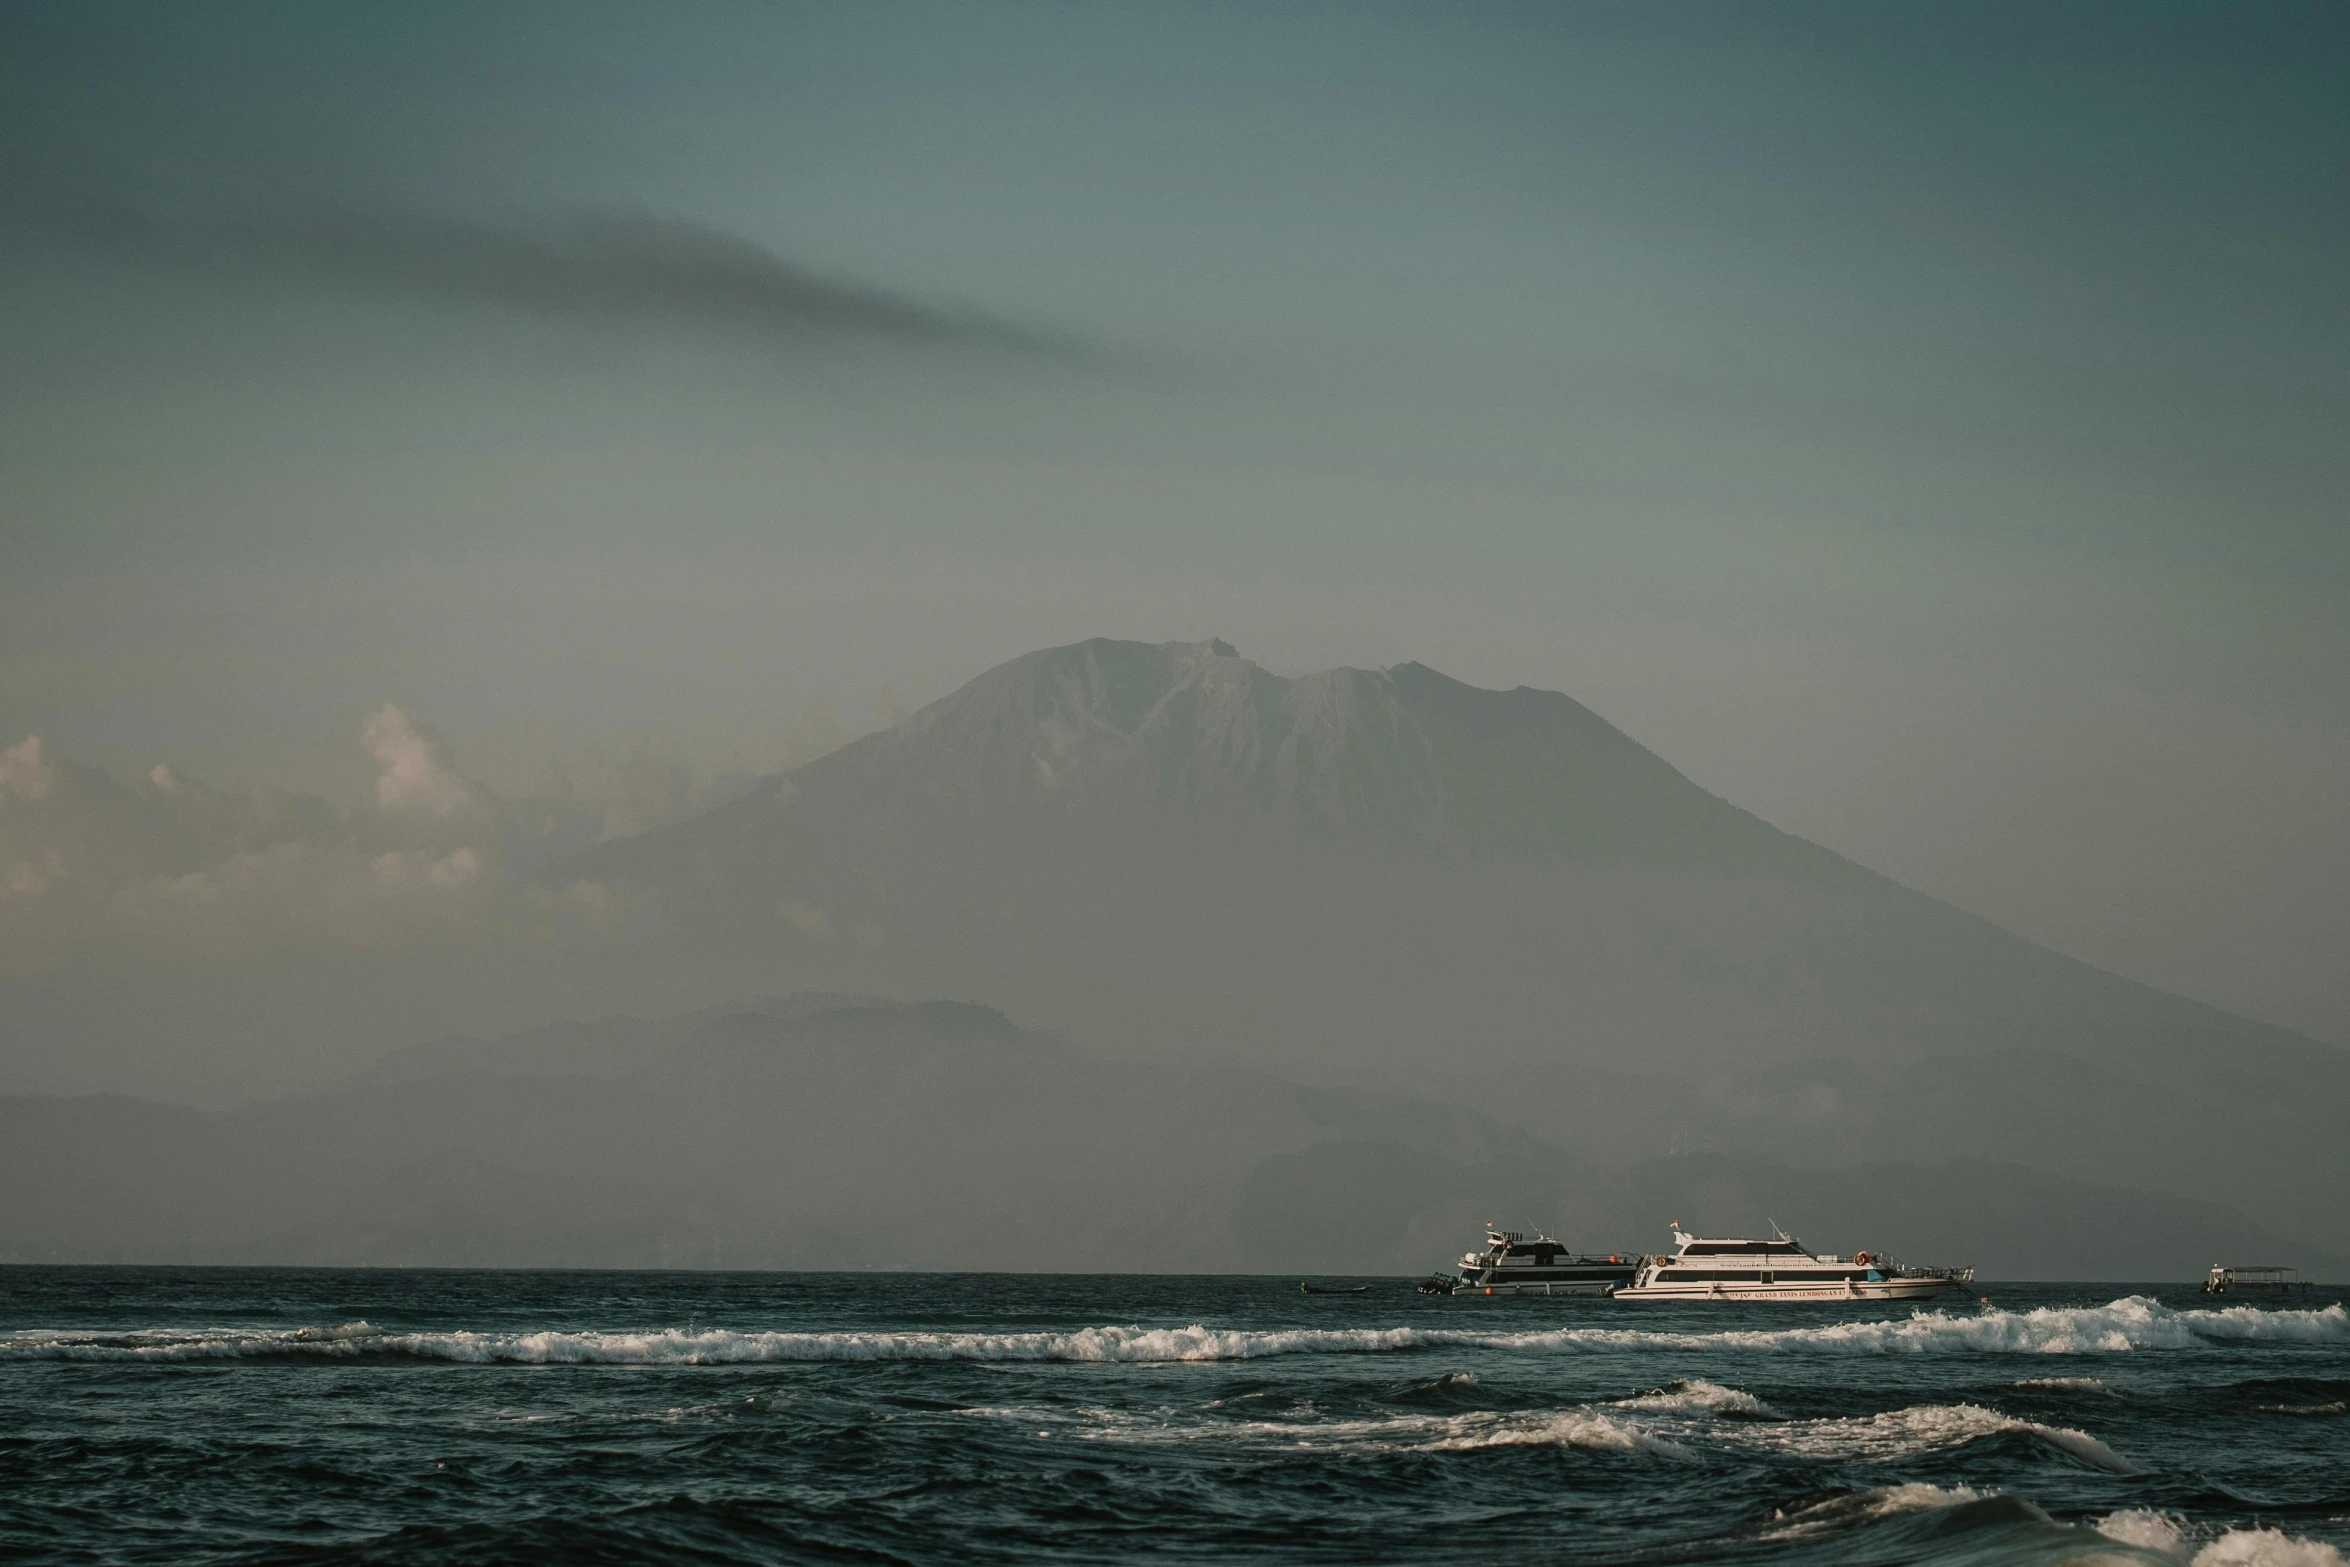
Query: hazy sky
{"x": 1923, "y": 425}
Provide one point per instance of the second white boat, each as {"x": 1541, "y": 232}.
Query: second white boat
{"x": 1781, "y": 1269}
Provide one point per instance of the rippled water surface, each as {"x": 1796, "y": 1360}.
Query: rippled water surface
{"x": 271, "y": 1415}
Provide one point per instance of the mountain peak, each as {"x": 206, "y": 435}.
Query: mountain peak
{"x": 1404, "y": 752}
{"x": 1157, "y": 735}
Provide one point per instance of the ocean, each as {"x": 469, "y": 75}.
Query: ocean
{"x": 273, "y": 1415}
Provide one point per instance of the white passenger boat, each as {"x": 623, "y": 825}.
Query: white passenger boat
{"x": 1511, "y": 1264}
{"x": 1781, "y": 1269}
{"x": 2256, "y": 1278}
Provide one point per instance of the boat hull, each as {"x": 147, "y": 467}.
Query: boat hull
{"x": 1539, "y": 1287}
{"x": 1824, "y": 1293}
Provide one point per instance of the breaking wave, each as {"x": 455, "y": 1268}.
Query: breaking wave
{"x": 1590, "y": 1428}
{"x": 2143, "y": 1526}
{"x": 2161, "y": 1532}
{"x": 1924, "y": 1428}
{"x": 694, "y": 1347}
{"x": 2133, "y": 1323}
{"x": 1684, "y": 1423}
{"x": 1698, "y": 1395}
{"x": 1587, "y": 1429}
{"x": 2266, "y": 1548}
{"x": 1693, "y": 1422}
{"x": 1839, "y": 1513}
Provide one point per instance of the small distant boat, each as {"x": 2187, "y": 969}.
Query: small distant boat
{"x": 1511, "y": 1264}
{"x": 1782, "y": 1269}
{"x": 2254, "y": 1279}
{"x": 1317, "y": 1289}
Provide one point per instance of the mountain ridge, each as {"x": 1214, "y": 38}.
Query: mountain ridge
{"x": 1394, "y": 878}
{"x": 825, "y": 1132}
{"x": 1109, "y": 725}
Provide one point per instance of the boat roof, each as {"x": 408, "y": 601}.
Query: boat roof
{"x": 1780, "y": 1245}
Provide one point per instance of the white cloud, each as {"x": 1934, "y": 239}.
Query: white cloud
{"x": 170, "y": 867}
{"x": 30, "y": 879}
{"x": 23, "y": 773}
{"x": 419, "y": 869}
{"x": 419, "y": 774}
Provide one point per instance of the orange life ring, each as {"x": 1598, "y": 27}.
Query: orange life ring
{"x": 1860, "y": 1259}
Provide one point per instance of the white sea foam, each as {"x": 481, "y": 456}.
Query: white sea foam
{"x": 1920, "y": 1428}
{"x": 2131, "y": 1323}
{"x": 2163, "y": 1532}
{"x": 709, "y": 1346}
{"x": 1659, "y": 1422}
{"x": 1590, "y": 1428}
{"x": 2122, "y": 1325}
{"x": 1696, "y": 1395}
{"x": 2330, "y": 1325}
{"x": 1842, "y": 1512}
{"x": 2266, "y": 1548}
{"x": 1584, "y": 1428}
{"x": 2144, "y": 1527}
{"x": 1679, "y": 1424}
{"x": 2064, "y": 1384}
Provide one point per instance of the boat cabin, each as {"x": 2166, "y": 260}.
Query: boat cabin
{"x": 2260, "y": 1278}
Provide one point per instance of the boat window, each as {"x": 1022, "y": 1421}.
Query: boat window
{"x": 1742, "y": 1249}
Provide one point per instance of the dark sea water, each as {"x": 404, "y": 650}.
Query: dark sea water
{"x": 274, "y": 1415}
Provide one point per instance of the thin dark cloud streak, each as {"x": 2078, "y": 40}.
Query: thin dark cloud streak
{"x": 600, "y": 266}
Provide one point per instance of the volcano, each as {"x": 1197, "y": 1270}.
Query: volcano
{"x": 1390, "y": 879}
